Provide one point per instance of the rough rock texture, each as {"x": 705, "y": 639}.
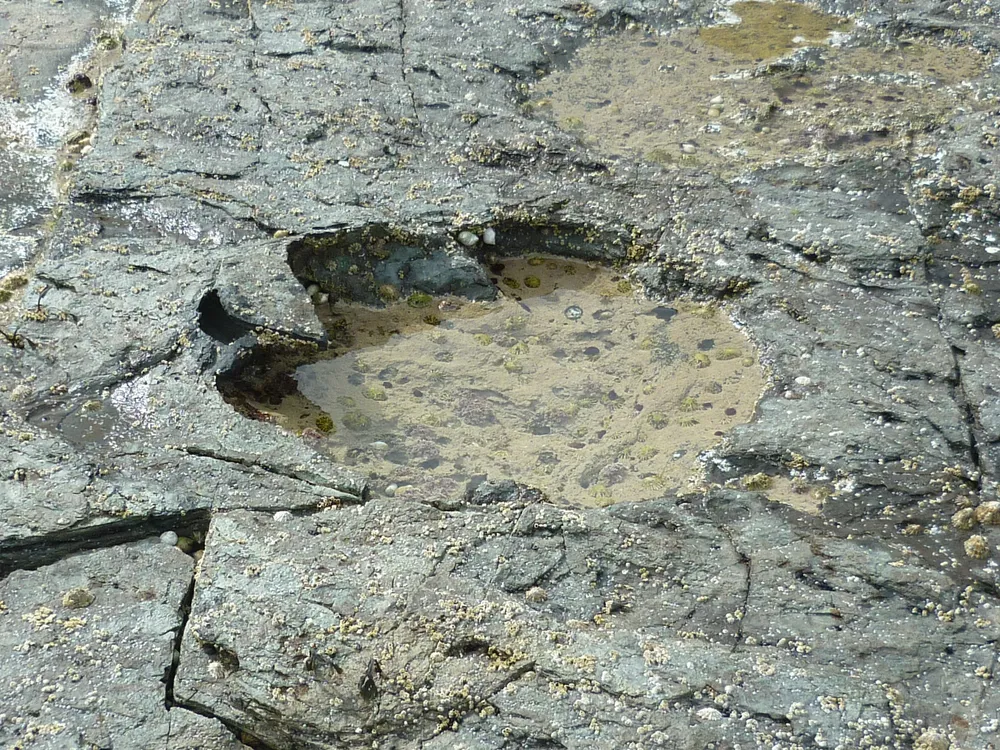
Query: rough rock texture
{"x": 666, "y": 624}
{"x": 238, "y": 152}
{"x": 88, "y": 646}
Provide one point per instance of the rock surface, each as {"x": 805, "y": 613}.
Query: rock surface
{"x": 88, "y": 647}
{"x": 669, "y": 623}
{"x": 235, "y": 153}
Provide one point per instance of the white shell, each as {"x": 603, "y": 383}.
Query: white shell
{"x": 169, "y": 538}
{"x": 467, "y": 238}
{"x": 283, "y": 516}
{"x": 489, "y": 236}
{"x": 312, "y": 289}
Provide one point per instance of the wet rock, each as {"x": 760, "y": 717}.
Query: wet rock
{"x": 491, "y": 492}
{"x": 257, "y": 287}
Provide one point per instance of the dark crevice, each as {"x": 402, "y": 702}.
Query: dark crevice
{"x": 970, "y": 416}
{"x": 214, "y": 175}
{"x": 402, "y": 59}
{"x": 170, "y": 677}
{"x": 533, "y": 743}
{"x": 747, "y": 564}
{"x": 141, "y": 267}
{"x": 35, "y": 552}
{"x": 348, "y": 48}
{"x": 689, "y": 700}
{"x": 468, "y": 646}
{"x": 57, "y": 283}
{"x": 350, "y": 494}
{"x": 170, "y": 701}
{"x": 217, "y": 323}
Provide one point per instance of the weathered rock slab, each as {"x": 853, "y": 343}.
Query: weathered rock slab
{"x": 88, "y": 646}
{"x": 665, "y": 624}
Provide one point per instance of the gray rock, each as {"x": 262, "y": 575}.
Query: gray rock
{"x": 88, "y": 649}
{"x": 653, "y": 613}
{"x": 240, "y": 153}
{"x": 492, "y": 492}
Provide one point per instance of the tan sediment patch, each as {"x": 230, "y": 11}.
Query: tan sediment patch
{"x": 803, "y": 496}
{"x": 769, "y": 30}
{"x": 573, "y": 383}
{"x": 713, "y": 98}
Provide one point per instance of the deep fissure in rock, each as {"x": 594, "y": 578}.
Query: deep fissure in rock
{"x": 35, "y": 552}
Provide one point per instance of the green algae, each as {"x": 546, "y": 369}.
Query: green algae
{"x": 419, "y": 299}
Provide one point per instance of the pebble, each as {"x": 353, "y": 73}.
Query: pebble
{"x": 312, "y": 289}
{"x": 169, "y": 538}
{"x": 489, "y": 236}
{"x": 689, "y": 148}
{"x": 803, "y": 380}
{"x": 717, "y": 99}
{"x": 379, "y": 446}
{"x": 390, "y": 489}
{"x": 283, "y": 516}
{"x": 573, "y": 312}
{"x": 467, "y": 238}
{"x": 714, "y": 112}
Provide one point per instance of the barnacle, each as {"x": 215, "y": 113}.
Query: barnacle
{"x": 757, "y": 482}
{"x": 690, "y": 404}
